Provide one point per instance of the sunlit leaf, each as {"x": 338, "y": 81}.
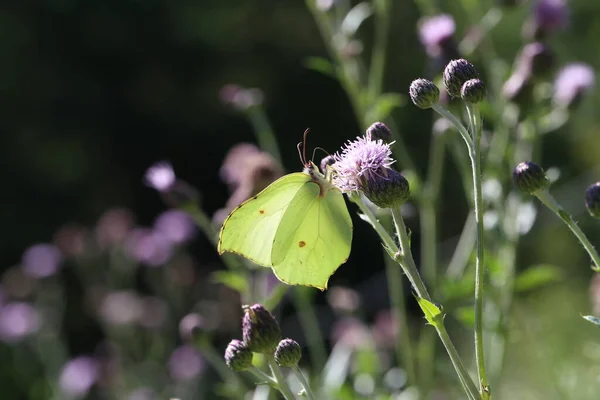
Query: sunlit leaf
{"x": 537, "y": 276}
{"x": 321, "y": 65}
{"x": 432, "y": 312}
{"x": 592, "y": 319}
{"x": 231, "y": 280}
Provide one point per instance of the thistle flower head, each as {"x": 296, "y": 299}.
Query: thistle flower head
{"x": 160, "y": 176}
{"x": 436, "y": 32}
{"x": 592, "y": 199}
{"x": 571, "y": 83}
{"x": 360, "y": 161}
{"x": 456, "y": 73}
{"x": 530, "y": 177}
{"x": 379, "y": 130}
{"x": 238, "y": 356}
{"x": 473, "y": 91}
{"x": 260, "y": 329}
{"x": 288, "y": 353}
{"x": 550, "y": 15}
{"x": 391, "y": 190}
{"x": 424, "y": 93}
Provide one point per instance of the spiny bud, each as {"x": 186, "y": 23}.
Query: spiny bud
{"x": 260, "y": 329}
{"x": 530, "y": 177}
{"x": 379, "y": 130}
{"x": 473, "y": 91}
{"x": 329, "y": 160}
{"x": 592, "y": 199}
{"x": 424, "y": 93}
{"x": 288, "y": 353}
{"x": 456, "y": 73}
{"x": 238, "y": 356}
{"x": 390, "y": 189}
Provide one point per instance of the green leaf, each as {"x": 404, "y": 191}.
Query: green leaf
{"x": 537, "y": 276}
{"x": 432, "y": 312}
{"x": 321, "y": 65}
{"x": 592, "y": 319}
{"x": 231, "y": 280}
{"x": 384, "y": 105}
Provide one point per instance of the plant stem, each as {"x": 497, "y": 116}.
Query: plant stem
{"x": 309, "y": 394}
{"x": 473, "y": 111}
{"x": 265, "y": 136}
{"x": 457, "y": 124}
{"x": 376, "y": 69}
{"x": 259, "y": 374}
{"x": 549, "y": 201}
{"x": 310, "y": 325}
{"x": 281, "y": 382}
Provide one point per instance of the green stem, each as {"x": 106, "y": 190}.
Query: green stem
{"x": 281, "y": 382}
{"x": 302, "y": 379}
{"x": 549, "y": 201}
{"x": 261, "y": 376}
{"x": 376, "y": 70}
{"x": 265, "y": 135}
{"x": 457, "y": 124}
{"x": 473, "y": 111}
{"x": 216, "y": 361}
{"x": 310, "y": 326}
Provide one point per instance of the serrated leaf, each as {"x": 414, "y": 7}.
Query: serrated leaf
{"x": 321, "y": 65}
{"x": 355, "y": 17}
{"x": 384, "y": 105}
{"x": 537, "y": 276}
{"x": 231, "y": 280}
{"x": 466, "y": 315}
{"x": 592, "y": 319}
{"x": 433, "y": 314}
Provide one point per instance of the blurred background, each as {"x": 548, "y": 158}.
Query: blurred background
{"x": 92, "y": 93}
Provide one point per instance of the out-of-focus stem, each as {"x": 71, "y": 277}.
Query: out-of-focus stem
{"x": 282, "y": 384}
{"x": 302, "y": 379}
{"x": 265, "y": 135}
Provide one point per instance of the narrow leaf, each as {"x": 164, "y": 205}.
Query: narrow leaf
{"x": 433, "y": 313}
{"x": 321, "y": 65}
{"x": 537, "y": 276}
{"x": 592, "y": 319}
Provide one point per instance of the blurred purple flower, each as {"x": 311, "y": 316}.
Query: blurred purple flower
{"x": 160, "y": 176}
{"x": 18, "y": 320}
{"x": 232, "y": 169}
{"x": 71, "y": 240}
{"x": 436, "y": 32}
{"x": 17, "y": 283}
{"x": 351, "y": 332}
{"x": 121, "y": 308}
{"x": 343, "y": 300}
{"x": 149, "y": 247}
{"x": 360, "y": 161}
{"x": 190, "y": 325}
{"x": 239, "y": 97}
{"x": 550, "y": 15}
{"x": 572, "y": 82}
{"x": 175, "y": 225}
{"x": 385, "y": 328}
{"x": 143, "y": 394}
{"x": 41, "y": 260}
{"x": 185, "y": 363}
{"x": 154, "y": 312}
{"x": 113, "y": 226}
{"x": 78, "y": 376}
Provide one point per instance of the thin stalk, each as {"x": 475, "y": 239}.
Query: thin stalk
{"x": 463, "y": 250}
{"x": 265, "y": 135}
{"x": 457, "y": 124}
{"x": 281, "y": 382}
{"x": 473, "y": 111}
{"x": 549, "y": 201}
{"x": 259, "y": 374}
{"x": 310, "y": 326}
{"x": 377, "y": 67}
{"x": 218, "y": 364}
{"x": 302, "y": 379}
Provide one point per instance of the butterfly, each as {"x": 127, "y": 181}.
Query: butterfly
{"x": 299, "y": 226}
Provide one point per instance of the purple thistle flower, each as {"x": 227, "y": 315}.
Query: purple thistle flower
{"x": 435, "y": 32}
{"x": 360, "y": 161}
{"x": 160, "y": 176}
{"x": 113, "y": 227}
{"x": 18, "y": 320}
{"x": 176, "y": 226}
{"x": 41, "y": 260}
{"x": 185, "y": 363}
{"x": 78, "y": 376}
{"x": 149, "y": 247}
{"x": 550, "y": 15}
{"x": 191, "y": 325}
{"x": 572, "y": 82}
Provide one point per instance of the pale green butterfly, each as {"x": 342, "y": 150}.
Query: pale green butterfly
{"x": 299, "y": 226}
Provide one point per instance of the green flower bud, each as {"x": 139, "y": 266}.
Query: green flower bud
{"x": 456, "y": 73}
{"x": 390, "y": 189}
{"x": 288, "y": 353}
{"x": 592, "y": 199}
{"x": 473, "y": 91}
{"x": 238, "y": 356}
{"x": 424, "y": 93}
{"x": 260, "y": 329}
{"x": 530, "y": 178}
{"x": 379, "y": 130}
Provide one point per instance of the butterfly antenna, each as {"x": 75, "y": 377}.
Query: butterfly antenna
{"x": 298, "y": 146}
{"x": 319, "y": 148}
{"x": 303, "y": 158}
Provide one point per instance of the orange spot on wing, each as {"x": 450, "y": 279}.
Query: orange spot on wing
{"x": 301, "y": 243}
{"x": 261, "y": 211}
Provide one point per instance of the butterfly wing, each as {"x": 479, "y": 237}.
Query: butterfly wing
{"x": 313, "y": 238}
{"x": 250, "y": 229}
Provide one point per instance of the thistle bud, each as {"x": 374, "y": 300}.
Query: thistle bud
{"x": 288, "y": 353}
{"x": 530, "y": 177}
{"x": 424, "y": 93}
{"x": 379, "y": 130}
{"x": 260, "y": 329}
{"x": 390, "y": 189}
{"x": 592, "y": 199}
{"x": 329, "y": 160}
{"x": 456, "y": 73}
{"x": 238, "y": 356}
{"x": 473, "y": 91}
